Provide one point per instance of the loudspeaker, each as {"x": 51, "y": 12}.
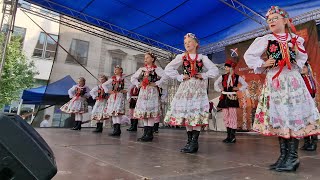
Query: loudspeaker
{"x": 23, "y": 152}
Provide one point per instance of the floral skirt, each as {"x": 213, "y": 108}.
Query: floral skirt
{"x": 190, "y": 105}
{"x": 148, "y": 103}
{"x": 98, "y": 110}
{"x": 115, "y": 105}
{"x": 286, "y": 108}
{"x": 75, "y": 105}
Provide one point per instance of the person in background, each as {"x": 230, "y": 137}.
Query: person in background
{"x": 45, "y": 122}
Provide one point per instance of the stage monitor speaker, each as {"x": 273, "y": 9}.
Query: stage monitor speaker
{"x": 24, "y": 155}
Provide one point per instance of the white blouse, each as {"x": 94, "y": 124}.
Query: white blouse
{"x": 72, "y": 91}
{"x": 108, "y": 84}
{"x": 94, "y": 92}
{"x": 259, "y": 46}
{"x": 219, "y": 88}
{"x": 160, "y": 72}
{"x": 172, "y": 72}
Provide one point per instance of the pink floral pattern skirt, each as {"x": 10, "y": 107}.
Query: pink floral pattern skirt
{"x": 285, "y": 107}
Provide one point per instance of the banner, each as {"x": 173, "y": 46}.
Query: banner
{"x": 249, "y": 99}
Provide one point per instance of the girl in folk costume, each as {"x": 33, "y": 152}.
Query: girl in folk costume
{"x": 78, "y": 103}
{"x": 190, "y": 105}
{"x": 310, "y": 142}
{"x": 101, "y": 98}
{"x": 115, "y": 105}
{"x": 286, "y": 108}
{"x": 132, "y": 96}
{"x": 149, "y": 78}
{"x": 227, "y": 85}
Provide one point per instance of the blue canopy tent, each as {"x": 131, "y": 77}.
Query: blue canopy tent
{"x": 168, "y": 21}
{"x": 52, "y": 94}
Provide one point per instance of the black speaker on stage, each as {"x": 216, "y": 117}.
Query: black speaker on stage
{"x": 24, "y": 155}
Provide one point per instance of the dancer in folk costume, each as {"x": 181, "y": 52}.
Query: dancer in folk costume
{"x": 190, "y": 105}
{"x": 101, "y": 98}
{"x": 115, "y": 105}
{"x": 132, "y": 97}
{"x": 149, "y": 78}
{"x": 286, "y": 108}
{"x": 78, "y": 103}
{"x": 227, "y": 84}
{"x": 310, "y": 142}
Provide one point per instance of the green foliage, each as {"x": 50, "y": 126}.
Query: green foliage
{"x": 17, "y": 73}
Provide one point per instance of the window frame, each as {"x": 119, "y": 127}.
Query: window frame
{"x": 44, "y": 48}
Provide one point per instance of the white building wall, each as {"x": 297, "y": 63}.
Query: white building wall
{"x": 31, "y": 38}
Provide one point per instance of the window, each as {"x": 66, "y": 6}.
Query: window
{"x": 17, "y": 32}
{"x": 79, "y": 50}
{"x": 46, "y": 47}
{"x": 115, "y": 61}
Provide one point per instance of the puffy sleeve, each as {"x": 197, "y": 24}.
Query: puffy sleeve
{"x": 171, "y": 69}
{"x": 218, "y": 85}
{"x": 72, "y": 91}
{"x": 212, "y": 72}
{"x": 94, "y": 92}
{"x": 87, "y": 94}
{"x": 106, "y": 85}
{"x": 160, "y": 72}
{"x": 135, "y": 76}
{"x": 253, "y": 55}
{"x": 244, "y": 84}
{"x": 302, "y": 56}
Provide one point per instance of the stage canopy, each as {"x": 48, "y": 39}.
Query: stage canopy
{"x": 168, "y": 21}
{"x": 54, "y": 93}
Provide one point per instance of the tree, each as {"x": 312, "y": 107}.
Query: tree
{"x": 17, "y": 73}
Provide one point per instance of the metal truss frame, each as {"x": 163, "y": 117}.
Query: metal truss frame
{"x": 220, "y": 46}
{"x": 9, "y": 10}
{"x": 243, "y": 9}
{"x": 112, "y": 30}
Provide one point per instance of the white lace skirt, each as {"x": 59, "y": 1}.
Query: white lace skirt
{"x": 148, "y": 103}
{"x": 190, "y": 105}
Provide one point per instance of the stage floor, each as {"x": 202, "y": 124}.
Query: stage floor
{"x": 82, "y": 155}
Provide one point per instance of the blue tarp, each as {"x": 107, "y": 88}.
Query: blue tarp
{"x": 54, "y": 93}
{"x": 168, "y": 21}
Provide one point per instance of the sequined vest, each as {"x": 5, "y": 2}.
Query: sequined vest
{"x": 235, "y": 80}
{"x": 274, "y": 50}
{"x": 152, "y": 77}
{"x": 101, "y": 93}
{"x": 186, "y": 66}
{"x": 117, "y": 85}
{"x": 80, "y": 91}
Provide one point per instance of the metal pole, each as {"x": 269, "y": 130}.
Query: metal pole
{"x": 9, "y": 9}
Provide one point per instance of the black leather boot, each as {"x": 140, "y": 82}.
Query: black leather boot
{"x": 306, "y": 143}
{"x": 313, "y": 144}
{"x": 189, "y": 134}
{"x": 149, "y": 134}
{"x": 99, "y": 128}
{"x": 193, "y": 147}
{"x": 134, "y": 124}
{"x": 116, "y": 130}
{"x": 228, "y": 135}
{"x": 77, "y": 126}
{"x": 283, "y": 153}
{"x": 291, "y": 162}
{"x": 144, "y": 133}
{"x": 156, "y": 128}
{"x": 232, "y": 136}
